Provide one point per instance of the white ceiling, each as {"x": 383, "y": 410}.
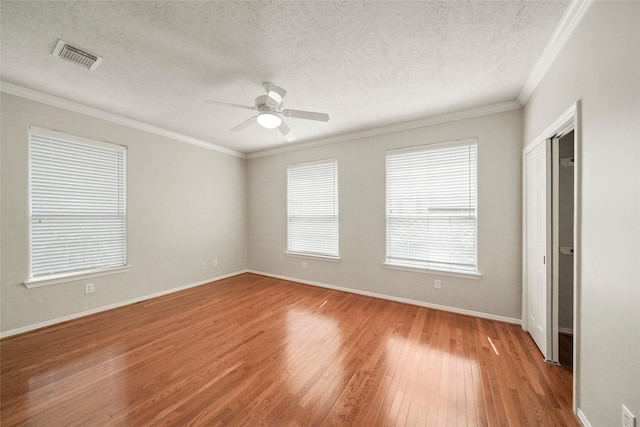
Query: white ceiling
{"x": 366, "y": 64}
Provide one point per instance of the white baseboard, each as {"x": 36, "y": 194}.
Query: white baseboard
{"x": 277, "y": 276}
{"x": 567, "y": 331}
{"x": 392, "y": 298}
{"x": 583, "y": 418}
{"x": 116, "y": 305}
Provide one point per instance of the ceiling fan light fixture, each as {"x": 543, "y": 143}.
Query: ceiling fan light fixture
{"x": 269, "y": 120}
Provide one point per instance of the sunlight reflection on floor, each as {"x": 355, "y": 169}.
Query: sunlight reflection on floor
{"x": 314, "y": 344}
{"x": 100, "y": 374}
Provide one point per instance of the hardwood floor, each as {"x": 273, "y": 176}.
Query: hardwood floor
{"x": 252, "y": 350}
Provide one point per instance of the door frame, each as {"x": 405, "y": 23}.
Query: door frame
{"x": 569, "y": 119}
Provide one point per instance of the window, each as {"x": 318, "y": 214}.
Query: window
{"x": 77, "y": 209}
{"x": 431, "y": 207}
{"x": 312, "y": 208}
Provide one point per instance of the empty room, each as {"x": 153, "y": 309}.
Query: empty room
{"x": 310, "y": 213}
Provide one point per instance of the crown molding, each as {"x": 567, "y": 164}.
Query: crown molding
{"x": 499, "y": 107}
{"x": 569, "y": 22}
{"x": 66, "y": 104}
{"x": 34, "y": 95}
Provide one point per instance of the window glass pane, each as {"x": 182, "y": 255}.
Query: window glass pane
{"x": 312, "y": 208}
{"x": 78, "y": 211}
{"x": 431, "y": 207}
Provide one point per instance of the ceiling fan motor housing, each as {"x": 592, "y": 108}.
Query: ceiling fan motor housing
{"x": 265, "y": 103}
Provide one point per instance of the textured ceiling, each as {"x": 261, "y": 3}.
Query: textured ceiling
{"x": 366, "y": 64}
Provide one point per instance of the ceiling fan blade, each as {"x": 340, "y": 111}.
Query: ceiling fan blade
{"x": 228, "y": 104}
{"x": 286, "y": 132}
{"x": 309, "y": 115}
{"x": 276, "y": 93}
{"x": 243, "y": 124}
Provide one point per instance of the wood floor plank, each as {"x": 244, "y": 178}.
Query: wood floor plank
{"x": 252, "y": 350}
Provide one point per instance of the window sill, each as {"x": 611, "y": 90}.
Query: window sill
{"x": 313, "y": 256}
{"x": 65, "y": 278}
{"x": 472, "y": 276}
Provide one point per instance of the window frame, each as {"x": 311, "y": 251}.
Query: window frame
{"x": 308, "y": 254}
{"x": 68, "y": 276}
{"x": 475, "y": 275}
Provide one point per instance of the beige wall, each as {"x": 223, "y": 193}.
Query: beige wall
{"x": 361, "y": 165}
{"x": 600, "y": 65}
{"x": 186, "y": 205}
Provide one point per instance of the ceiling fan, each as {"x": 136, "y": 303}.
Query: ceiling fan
{"x": 270, "y": 112}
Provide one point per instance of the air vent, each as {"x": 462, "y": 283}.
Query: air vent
{"x": 77, "y": 55}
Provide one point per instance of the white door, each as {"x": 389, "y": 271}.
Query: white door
{"x": 538, "y": 244}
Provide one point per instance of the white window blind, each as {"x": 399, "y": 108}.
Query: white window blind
{"x": 78, "y": 211}
{"x": 312, "y": 208}
{"x": 431, "y": 207}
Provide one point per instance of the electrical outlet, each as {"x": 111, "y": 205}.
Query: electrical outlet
{"x": 89, "y": 288}
{"x": 215, "y": 262}
{"x": 628, "y": 419}
{"x": 304, "y": 264}
{"x": 203, "y": 265}
{"x": 436, "y": 284}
